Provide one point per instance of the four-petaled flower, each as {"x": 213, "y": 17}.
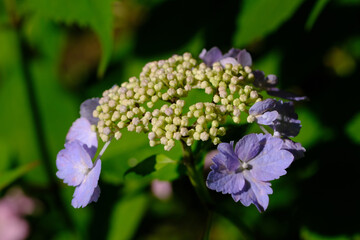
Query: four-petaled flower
{"x": 75, "y": 164}
{"x": 245, "y": 172}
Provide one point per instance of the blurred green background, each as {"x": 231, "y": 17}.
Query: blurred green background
{"x": 54, "y": 54}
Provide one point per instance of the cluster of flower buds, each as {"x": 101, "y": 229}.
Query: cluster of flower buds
{"x": 154, "y": 102}
{"x": 157, "y": 104}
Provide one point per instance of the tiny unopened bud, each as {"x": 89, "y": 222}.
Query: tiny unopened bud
{"x": 204, "y": 136}
{"x": 117, "y": 135}
{"x": 251, "y": 119}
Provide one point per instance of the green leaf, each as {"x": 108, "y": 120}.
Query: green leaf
{"x": 315, "y": 12}
{"x": 126, "y": 217}
{"x": 96, "y": 14}
{"x": 307, "y": 234}
{"x": 353, "y": 128}
{"x": 158, "y": 167}
{"x": 129, "y": 151}
{"x": 312, "y": 131}
{"x": 8, "y": 177}
{"x": 16, "y": 116}
{"x": 259, "y": 18}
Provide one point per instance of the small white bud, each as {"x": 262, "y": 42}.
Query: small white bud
{"x": 251, "y": 119}
{"x": 117, "y": 135}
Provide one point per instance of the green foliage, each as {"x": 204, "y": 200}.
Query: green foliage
{"x": 259, "y": 18}
{"x": 95, "y": 14}
{"x": 321, "y": 61}
{"x": 126, "y": 216}
{"x": 353, "y": 128}
{"x": 159, "y": 167}
{"x": 315, "y": 12}
{"x": 7, "y": 177}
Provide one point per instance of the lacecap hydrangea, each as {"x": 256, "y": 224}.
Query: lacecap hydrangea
{"x": 154, "y": 103}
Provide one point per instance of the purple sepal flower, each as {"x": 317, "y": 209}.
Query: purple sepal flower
{"x": 295, "y": 148}
{"x": 87, "y": 108}
{"x": 284, "y": 123}
{"x": 211, "y": 56}
{"x": 81, "y": 131}
{"x": 244, "y": 172}
{"x": 234, "y": 56}
{"x": 75, "y": 164}
{"x": 76, "y": 168}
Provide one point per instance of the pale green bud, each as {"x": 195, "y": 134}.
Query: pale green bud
{"x": 221, "y": 131}
{"x": 189, "y": 141}
{"x": 184, "y": 121}
{"x": 251, "y": 119}
{"x": 216, "y": 141}
{"x": 130, "y": 114}
{"x": 104, "y": 137}
{"x": 117, "y": 135}
{"x": 216, "y": 98}
{"x": 115, "y": 116}
{"x": 177, "y": 135}
{"x": 163, "y": 140}
{"x": 151, "y": 136}
{"x": 242, "y": 107}
{"x": 105, "y": 108}
{"x": 215, "y": 123}
{"x": 196, "y": 136}
{"x": 236, "y": 119}
{"x": 243, "y": 98}
{"x": 197, "y": 113}
{"x": 121, "y": 125}
{"x": 131, "y": 127}
{"x": 150, "y": 104}
{"x": 254, "y": 95}
{"x": 168, "y": 135}
{"x": 204, "y": 136}
{"x": 213, "y": 131}
{"x": 199, "y": 128}
{"x": 184, "y": 132}
{"x": 152, "y": 143}
{"x": 201, "y": 120}
{"x": 159, "y": 132}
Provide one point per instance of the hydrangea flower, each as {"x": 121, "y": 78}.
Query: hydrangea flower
{"x": 75, "y": 164}
{"x": 77, "y": 169}
{"x": 234, "y": 56}
{"x": 245, "y": 172}
{"x": 279, "y": 115}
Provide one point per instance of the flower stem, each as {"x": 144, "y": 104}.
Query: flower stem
{"x": 24, "y": 61}
{"x": 198, "y": 183}
{"x": 195, "y": 176}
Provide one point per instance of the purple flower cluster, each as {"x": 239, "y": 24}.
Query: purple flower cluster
{"x": 234, "y": 56}
{"x": 245, "y": 172}
{"x": 279, "y": 115}
{"x": 238, "y": 56}
{"x": 75, "y": 164}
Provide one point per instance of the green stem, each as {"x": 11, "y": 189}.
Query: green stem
{"x": 198, "y": 183}
{"x": 208, "y": 225}
{"x": 39, "y": 130}
{"x": 195, "y": 176}
{"x": 197, "y": 180}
